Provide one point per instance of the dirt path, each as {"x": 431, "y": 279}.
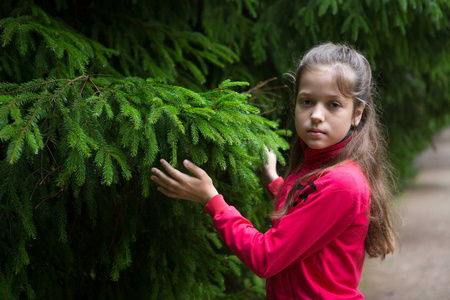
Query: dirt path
{"x": 420, "y": 269}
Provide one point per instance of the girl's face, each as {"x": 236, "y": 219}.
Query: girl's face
{"x": 323, "y": 116}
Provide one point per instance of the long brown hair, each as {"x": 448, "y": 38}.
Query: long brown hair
{"x": 367, "y": 147}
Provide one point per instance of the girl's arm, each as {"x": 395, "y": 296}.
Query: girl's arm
{"x": 341, "y": 201}
{"x": 200, "y": 188}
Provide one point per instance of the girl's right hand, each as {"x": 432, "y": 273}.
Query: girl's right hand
{"x": 270, "y": 169}
{"x": 175, "y": 184}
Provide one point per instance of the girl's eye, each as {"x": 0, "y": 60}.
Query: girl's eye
{"x": 335, "y": 105}
{"x": 305, "y": 102}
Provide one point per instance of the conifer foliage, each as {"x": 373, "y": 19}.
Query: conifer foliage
{"x": 78, "y": 159}
{"x": 79, "y": 216}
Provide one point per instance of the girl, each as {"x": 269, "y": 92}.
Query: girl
{"x": 333, "y": 205}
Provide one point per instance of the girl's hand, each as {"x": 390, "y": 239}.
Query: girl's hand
{"x": 270, "y": 169}
{"x": 179, "y": 185}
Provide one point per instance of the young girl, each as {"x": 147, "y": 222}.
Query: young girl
{"x": 333, "y": 205}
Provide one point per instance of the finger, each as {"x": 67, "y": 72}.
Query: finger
{"x": 270, "y": 153}
{"x": 162, "y": 183}
{"x": 173, "y": 172}
{"x": 171, "y": 194}
{"x": 163, "y": 179}
{"x": 167, "y": 192}
{"x": 197, "y": 171}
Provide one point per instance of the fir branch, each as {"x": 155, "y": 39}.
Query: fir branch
{"x": 146, "y": 120}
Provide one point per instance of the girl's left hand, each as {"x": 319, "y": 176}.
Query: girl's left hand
{"x": 269, "y": 173}
{"x": 179, "y": 185}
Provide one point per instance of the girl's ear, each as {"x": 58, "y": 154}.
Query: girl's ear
{"x": 358, "y": 114}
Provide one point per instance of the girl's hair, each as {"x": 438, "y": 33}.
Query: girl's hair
{"x": 367, "y": 147}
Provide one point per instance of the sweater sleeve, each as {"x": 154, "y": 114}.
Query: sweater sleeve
{"x": 308, "y": 228}
{"x": 275, "y": 186}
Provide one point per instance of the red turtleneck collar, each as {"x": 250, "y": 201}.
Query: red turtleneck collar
{"x": 315, "y": 158}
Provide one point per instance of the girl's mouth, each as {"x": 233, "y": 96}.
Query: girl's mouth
{"x": 315, "y": 132}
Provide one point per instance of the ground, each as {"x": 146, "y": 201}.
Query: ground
{"x": 420, "y": 268}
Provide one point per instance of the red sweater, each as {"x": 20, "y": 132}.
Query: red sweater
{"x": 316, "y": 251}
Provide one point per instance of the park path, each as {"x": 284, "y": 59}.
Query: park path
{"x": 420, "y": 268}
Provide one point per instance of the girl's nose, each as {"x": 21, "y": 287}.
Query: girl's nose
{"x": 317, "y": 114}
